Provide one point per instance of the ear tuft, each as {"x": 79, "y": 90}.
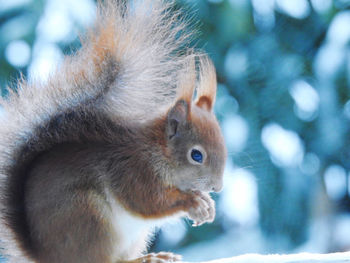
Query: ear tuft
{"x": 177, "y": 117}
{"x": 187, "y": 80}
{"x": 206, "y": 92}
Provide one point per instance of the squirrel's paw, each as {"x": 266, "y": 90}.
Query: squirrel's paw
{"x": 162, "y": 257}
{"x": 204, "y": 209}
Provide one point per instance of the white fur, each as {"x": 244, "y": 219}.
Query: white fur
{"x": 132, "y": 231}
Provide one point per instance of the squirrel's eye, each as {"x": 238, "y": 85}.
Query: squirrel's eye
{"x": 197, "y": 156}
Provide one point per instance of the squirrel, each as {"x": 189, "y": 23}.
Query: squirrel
{"x": 113, "y": 144}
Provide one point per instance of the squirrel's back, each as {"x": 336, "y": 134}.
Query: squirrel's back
{"x": 129, "y": 62}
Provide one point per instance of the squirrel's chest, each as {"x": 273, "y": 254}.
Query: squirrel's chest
{"x": 132, "y": 232}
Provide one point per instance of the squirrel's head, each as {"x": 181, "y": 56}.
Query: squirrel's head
{"x": 194, "y": 139}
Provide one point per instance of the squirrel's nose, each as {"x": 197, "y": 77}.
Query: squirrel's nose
{"x": 217, "y": 187}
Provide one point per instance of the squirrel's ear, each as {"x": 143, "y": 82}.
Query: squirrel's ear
{"x": 177, "y": 116}
{"x": 206, "y": 92}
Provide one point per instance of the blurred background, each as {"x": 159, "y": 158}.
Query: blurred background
{"x": 283, "y": 102}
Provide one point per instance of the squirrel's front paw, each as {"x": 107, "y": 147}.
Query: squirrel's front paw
{"x": 203, "y": 210}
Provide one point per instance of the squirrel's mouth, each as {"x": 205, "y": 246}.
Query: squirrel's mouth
{"x": 208, "y": 188}
{"x": 216, "y": 186}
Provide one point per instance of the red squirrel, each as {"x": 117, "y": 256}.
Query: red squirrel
{"x": 112, "y": 145}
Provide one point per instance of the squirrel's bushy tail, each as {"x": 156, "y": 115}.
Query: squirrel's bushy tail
{"x": 128, "y": 67}
{"x": 145, "y": 40}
